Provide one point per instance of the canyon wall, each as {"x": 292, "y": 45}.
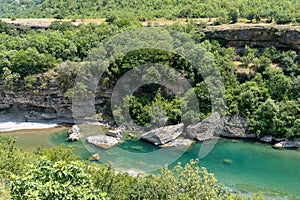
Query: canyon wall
{"x": 283, "y": 37}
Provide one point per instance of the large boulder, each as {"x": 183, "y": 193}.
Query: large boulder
{"x": 266, "y": 138}
{"x": 103, "y": 141}
{"x": 236, "y": 126}
{"x": 206, "y": 129}
{"x": 74, "y": 134}
{"x": 180, "y": 142}
{"x": 163, "y": 135}
{"x": 287, "y": 144}
{"x": 117, "y": 133}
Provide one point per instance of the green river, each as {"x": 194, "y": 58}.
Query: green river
{"x": 242, "y": 166}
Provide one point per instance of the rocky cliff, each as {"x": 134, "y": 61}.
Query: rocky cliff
{"x": 38, "y": 104}
{"x": 284, "y": 37}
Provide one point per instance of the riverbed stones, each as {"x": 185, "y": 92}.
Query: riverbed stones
{"x": 287, "y": 144}
{"x": 103, "y": 141}
{"x": 74, "y": 134}
{"x": 163, "y": 135}
{"x": 206, "y": 129}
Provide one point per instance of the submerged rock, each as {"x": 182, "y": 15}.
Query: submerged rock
{"x": 227, "y": 161}
{"x": 74, "y": 134}
{"x": 103, "y": 141}
{"x": 163, "y": 135}
{"x": 287, "y": 144}
{"x": 94, "y": 157}
{"x": 206, "y": 129}
{"x": 180, "y": 142}
{"x": 266, "y": 138}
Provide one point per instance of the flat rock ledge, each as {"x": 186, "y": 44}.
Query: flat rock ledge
{"x": 287, "y": 144}
{"x": 103, "y": 141}
{"x": 180, "y": 142}
{"x": 163, "y": 135}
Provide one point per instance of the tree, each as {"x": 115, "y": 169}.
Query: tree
{"x": 250, "y": 16}
{"x": 278, "y": 84}
{"x": 13, "y": 159}
{"x": 234, "y": 15}
{"x": 58, "y": 16}
{"x": 10, "y": 79}
{"x": 295, "y": 88}
{"x": 266, "y": 119}
{"x": 46, "y": 179}
{"x": 250, "y": 96}
{"x": 250, "y": 55}
{"x": 289, "y": 115}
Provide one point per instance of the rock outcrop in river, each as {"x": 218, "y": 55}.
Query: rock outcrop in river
{"x": 74, "y": 134}
{"x": 206, "y": 129}
{"x": 163, "y": 135}
{"x": 103, "y": 141}
{"x": 287, "y": 144}
{"x": 180, "y": 142}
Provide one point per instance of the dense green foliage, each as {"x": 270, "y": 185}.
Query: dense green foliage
{"x": 262, "y": 87}
{"x": 281, "y": 11}
{"x": 51, "y": 174}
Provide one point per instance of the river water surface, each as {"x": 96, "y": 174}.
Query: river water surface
{"x": 244, "y": 166}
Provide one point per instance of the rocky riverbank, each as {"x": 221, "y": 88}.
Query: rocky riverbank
{"x": 233, "y": 127}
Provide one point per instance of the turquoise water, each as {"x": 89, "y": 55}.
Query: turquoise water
{"x": 246, "y": 166}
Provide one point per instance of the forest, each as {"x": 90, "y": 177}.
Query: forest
{"x": 280, "y": 11}
{"x": 263, "y": 87}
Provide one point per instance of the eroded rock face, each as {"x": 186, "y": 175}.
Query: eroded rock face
{"x": 103, "y": 141}
{"x": 258, "y": 36}
{"x": 38, "y": 104}
{"x": 163, "y": 135}
{"x": 206, "y": 129}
